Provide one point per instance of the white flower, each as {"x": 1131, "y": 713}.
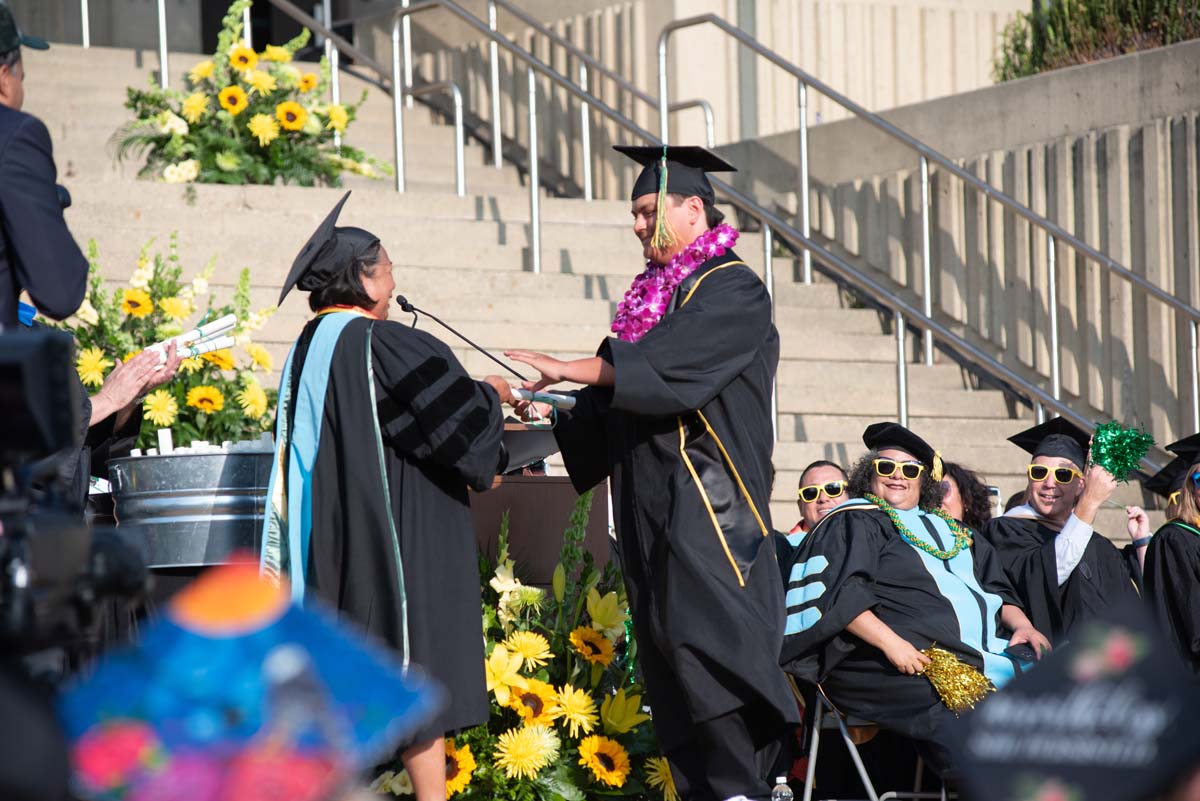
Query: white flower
{"x": 189, "y": 169}
{"x": 172, "y": 175}
{"x": 199, "y": 285}
{"x": 86, "y": 313}
{"x": 504, "y": 580}
{"x": 400, "y": 784}
{"x": 171, "y": 123}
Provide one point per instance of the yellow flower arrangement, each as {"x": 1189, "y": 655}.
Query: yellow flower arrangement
{"x": 176, "y": 308}
{"x": 261, "y": 83}
{"x": 136, "y": 303}
{"x": 243, "y": 58}
{"x": 578, "y": 709}
{"x": 191, "y": 364}
{"x": 280, "y": 55}
{"x": 291, "y": 115}
{"x": 460, "y": 764}
{"x": 308, "y": 82}
{"x": 621, "y": 713}
{"x": 161, "y": 408}
{"x": 502, "y": 671}
{"x": 206, "y": 399}
{"x": 532, "y": 647}
{"x": 201, "y": 71}
{"x": 658, "y": 776}
{"x": 524, "y": 751}
{"x": 606, "y": 613}
{"x": 338, "y": 117}
{"x": 253, "y": 400}
{"x": 260, "y": 357}
{"x": 233, "y": 99}
{"x": 223, "y": 359}
{"x": 536, "y": 702}
{"x": 91, "y": 365}
{"x": 606, "y": 759}
{"x": 194, "y": 107}
{"x": 264, "y": 128}
{"x": 592, "y": 645}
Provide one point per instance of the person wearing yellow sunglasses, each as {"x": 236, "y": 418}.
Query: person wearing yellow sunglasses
{"x": 1063, "y": 570}
{"x": 1173, "y": 558}
{"x": 822, "y": 487}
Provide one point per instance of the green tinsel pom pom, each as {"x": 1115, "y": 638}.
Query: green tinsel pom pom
{"x": 1118, "y": 449}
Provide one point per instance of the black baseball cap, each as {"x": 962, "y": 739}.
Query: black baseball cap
{"x": 11, "y": 37}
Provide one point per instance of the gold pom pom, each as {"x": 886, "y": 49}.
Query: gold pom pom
{"x": 938, "y": 469}
{"x": 959, "y": 685}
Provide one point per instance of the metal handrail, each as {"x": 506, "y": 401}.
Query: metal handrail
{"x": 460, "y": 174}
{"x": 1053, "y": 231}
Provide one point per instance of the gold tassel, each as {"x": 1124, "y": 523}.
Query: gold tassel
{"x": 959, "y": 685}
{"x": 938, "y": 469}
{"x": 664, "y": 236}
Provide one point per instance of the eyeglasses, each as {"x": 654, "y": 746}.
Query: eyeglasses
{"x": 1174, "y": 498}
{"x": 887, "y": 468}
{"x": 1196, "y": 479}
{"x": 1062, "y": 475}
{"x": 832, "y": 489}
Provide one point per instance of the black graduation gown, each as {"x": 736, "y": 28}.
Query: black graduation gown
{"x": 1173, "y": 587}
{"x": 442, "y": 434}
{"x": 1104, "y": 579}
{"x": 685, "y": 433}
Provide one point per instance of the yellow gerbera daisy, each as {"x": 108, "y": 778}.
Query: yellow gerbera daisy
{"x": 525, "y": 751}
{"x": 233, "y": 99}
{"x": 265, "y": 128}
{"x": 277, "y": 54}
{"x": 338, "y": 117}
{"x": 259, "y": 356}
{"x": 533, "y": 648}
{"x": 91, "y": 365}
{"x": 658, "y": 776}
{"x": 243, "y": 58}
{"x": 578, "y": 709}
{"x": 253, "y": 400}
{"x": 593, "y": 645}
{"x": 291, "y": 115}
{"x": 175, "y": 308}
{"x": 201, "y": 71}
{"x": 136, "y": 303}
{"x": 260, "y": 82}
{"x": 308, "y": 82}
{"x": 160, "y": 407}
{"x": 536, "y": 702}
{"x": 194, "y": 107}
{"x": 501, "y": 670}
{"x": 621, "y": 713}
{"x": 606, "y": 759}
{"x": 222, "y": 358}
{"x": 460, "y": 764}
{"x": 206, "y": 398}
{"x": 190, "y": 365}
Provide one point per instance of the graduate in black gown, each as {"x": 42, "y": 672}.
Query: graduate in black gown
{"x": 1063, "y": 570}
{"x": 678, "y": 414}
{"x": 379, "y": 434}
{"x": 887, "y": 575}
{"x": 1173, "y": 557}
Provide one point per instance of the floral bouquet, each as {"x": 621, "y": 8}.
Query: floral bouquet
{"x": 566, "y": 711}
{"x": 248, "y": 118}
{"x": 213, "y": 398}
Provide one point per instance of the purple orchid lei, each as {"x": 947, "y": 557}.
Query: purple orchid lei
{"x": 646, "y": 300}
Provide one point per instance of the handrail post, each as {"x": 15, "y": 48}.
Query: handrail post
{"x": 163, "y": 69}
{"x": 331, "y": 57}
{"x": 769, "y": 280}
{"x": 460, "y": 167}
{"x": 901, "y": 369}
{"x": 397, "y": 105}
{"x": 494, "y": 68}
{"x": 926, "y": 262}
{"x": 806, "y": 256}
{"x": 535, "y": 209}
{"x": 85, "y": 23}
{"x": 1195, "y": 346}
{"x": 663, "y": 101}
{"x": 1039, "y": 412}
{"x": 246, "y": 38}
{"x": 710, "y": 126}
{"x": 1052, "y": 300}
{"x": 406, "y": 37}
{"x": 585, "y": 135}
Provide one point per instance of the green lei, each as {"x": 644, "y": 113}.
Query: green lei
{"x": 962, "y": 536}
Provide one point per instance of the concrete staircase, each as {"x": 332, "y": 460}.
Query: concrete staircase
{"x": 466, "y": 259}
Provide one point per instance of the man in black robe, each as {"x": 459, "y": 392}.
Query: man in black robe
{"x": 680, "y": 420}
{"x": 1062, "y": 570}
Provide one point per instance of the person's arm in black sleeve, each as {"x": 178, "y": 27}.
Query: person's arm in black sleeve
{"x": 48, "y": 263}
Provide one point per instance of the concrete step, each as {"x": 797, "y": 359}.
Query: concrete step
{"x": 871, "y": 402}
{"x": 940, "y": 431}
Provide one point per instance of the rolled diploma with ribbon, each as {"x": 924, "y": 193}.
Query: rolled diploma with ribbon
{"x": 207, "y": 331}
{"x": 207, "y": 346}
{"x": 552, "y": 398}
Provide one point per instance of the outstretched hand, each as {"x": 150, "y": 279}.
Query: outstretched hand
{"x": 550, "y": 368}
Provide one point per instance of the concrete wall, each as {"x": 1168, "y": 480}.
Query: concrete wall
{"x": 1116, "y": 164}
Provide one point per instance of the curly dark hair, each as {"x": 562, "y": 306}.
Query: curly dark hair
{"x": 977, "y": 503}
{"x": 863, "y": 472}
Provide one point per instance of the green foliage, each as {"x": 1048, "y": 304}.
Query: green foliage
{"x": 1063, "y": 33}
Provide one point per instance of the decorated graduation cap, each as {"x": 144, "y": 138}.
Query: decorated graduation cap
{"x": 1187, "y": 449}
{"x": 1057, "y": 437}
{"x": 1170, "y": 479}
{"x": 893, "y": 435}
{"x": 673, "y": 169}
{"x": 330, "y": 250}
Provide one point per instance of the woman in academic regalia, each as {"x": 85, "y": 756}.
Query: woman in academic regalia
{"x": 1172, "y": 570}
{"x": 379, "y": 434}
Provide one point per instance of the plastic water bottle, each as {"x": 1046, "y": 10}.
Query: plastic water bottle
{"x": 781, "y": 792}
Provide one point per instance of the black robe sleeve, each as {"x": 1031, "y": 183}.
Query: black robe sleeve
{"x": 696, "y": 351}
{"x": 582, "y": 438}
{"x": 431, "y": 410}
{"x": 1025, "y": 551}
{"x": 1173, "y": 588}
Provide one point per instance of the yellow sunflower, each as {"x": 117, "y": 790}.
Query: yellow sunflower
{"x": 606, "y": 759}
{"x": 264, "y": 128}
{"x": 593, "y": 645}
{"x": 201, "y": 71}
{"x": 533, "y": 648}
{"x": 536, "y": 702}
{"x": 160, "y": 407}
{"x": 277, "y": 54}
{"x": 524, "y": 751}
{"x": 501, "y": 670}
{"x": 308, "y": 82}
{"x": 621, "y": 713}
{"x": 578, "y": 709}
{"x": 206, "y": 398}
{"x": 253, "y": 400}
{"x": 259, "y": 356}
{"x": 338, "y": 117}
{"x": 291, "y": 115}
{"x": 136, "y": 303}
{"x": 194, "y": 107}
{"x": 91, "y": 366}
{"x": 175, "y": 308}
{"x": 243, "y": 58}
{"x": 658, "y": 775}
{"x": 233, "y": 99}
{"x": 190, "y": 365}
{"x": 460, "y": 764}
{"x": 260, "y": 82}
{"x": 222, "y": 358}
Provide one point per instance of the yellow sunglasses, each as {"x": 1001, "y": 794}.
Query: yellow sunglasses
{"x": 909, "y": 470}
{"x": 832, "y": 489}
{"x": 1175, "y": 496}
{"x": 1062, "y": 475}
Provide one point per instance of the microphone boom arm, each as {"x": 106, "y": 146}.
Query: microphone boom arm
{"x": 414, "y": 311}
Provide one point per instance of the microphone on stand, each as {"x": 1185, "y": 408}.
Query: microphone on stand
{"x": 404, "y": 305}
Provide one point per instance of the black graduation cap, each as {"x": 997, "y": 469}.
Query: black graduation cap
{"x": 1187, "y": 448}
{"x": 1109, "y": 716}
{"x": 1057, "y": 437}
{"x": 686, "y": 168}
{"x": 893, "y": 435}
{"x": 1170, "y": 478}
{"x": 327, "y": 252}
